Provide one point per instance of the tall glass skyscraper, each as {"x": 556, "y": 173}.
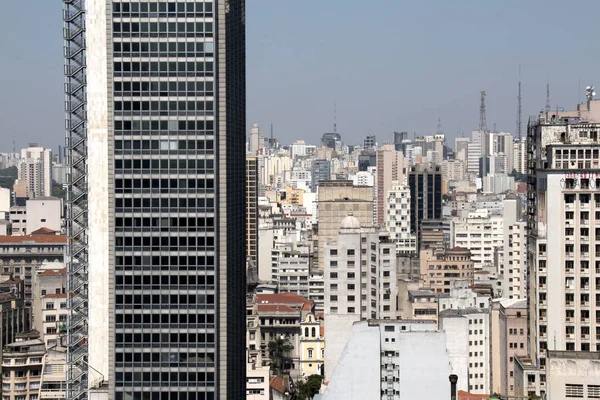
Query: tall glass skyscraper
{"x": 155, "y": 102}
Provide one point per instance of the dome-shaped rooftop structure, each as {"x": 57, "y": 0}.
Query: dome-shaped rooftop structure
{"x": 350, "y": 222}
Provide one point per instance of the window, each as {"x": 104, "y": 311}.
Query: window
{"x": 350, "y": 252}
{"x": 314, "y": 332}
{"x": 574, "y": 391}
{"x": 310, "y": 353}
{"x": 593, "y": 391}
{"x": 333, "y": 252}
{"x": 49, "y": 306}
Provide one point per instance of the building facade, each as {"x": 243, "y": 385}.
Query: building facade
{"x": 164, "y": 201}
{"x": 440, "y": 270}
{"x": 425, "y": 195}
{"x": 360, "y": 283}
{"x": 252, "y": 209}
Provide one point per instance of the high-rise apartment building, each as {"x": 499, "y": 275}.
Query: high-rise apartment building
{"x": 564, "y": 232}
{"x": 397, "y": 221}
{"x": 252, "y": 209}
{"x": 256, "y": 140}
{"x": 520, "y": 155}
{"x": 425, "y": 195}
{"x": 360, "y": 283}
{"x": 482, "y": 233}
{"x": 390, "y": 168}
{"x": 35, "y": 171}
{"x": 156, "y": 229}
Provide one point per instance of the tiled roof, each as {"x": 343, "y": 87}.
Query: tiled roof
{"x": 38, "y": 239}
{"x": 53, "y": 272}
{"x": 274, "y": 308}
{"x": 281, "y": 298}
{"x": 276, "y": 383}
{"x": 43, "y": 231}
{"x": 462, "y": 395}
{"x": 55, "y": 296}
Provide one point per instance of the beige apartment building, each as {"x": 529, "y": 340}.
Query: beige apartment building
{"x": 509, "y": 341}
{"x": 440, "y": 270}
{"x": 335, "y": 200}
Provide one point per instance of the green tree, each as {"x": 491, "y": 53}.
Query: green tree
{"x": 278, "y": 351}
{"x": 8, "y": 177}
{"x": 306, "y": 390}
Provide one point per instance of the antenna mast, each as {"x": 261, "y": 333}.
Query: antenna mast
{"x": 482, "y": 119}
{"x": 548, "y": 96}
{"x": 334, "y": 118}
{"x": 519, "y": 108}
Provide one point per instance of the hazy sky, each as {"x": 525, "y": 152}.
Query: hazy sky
{"x": 388, "y": 64}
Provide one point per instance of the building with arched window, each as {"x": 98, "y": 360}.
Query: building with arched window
{"x": 312, "y": 345}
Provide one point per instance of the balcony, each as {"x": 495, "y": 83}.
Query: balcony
{"x": 584, "y": 239}
{"x": 569, "y": 256}
{"x": 584, "y": 222}
{"x": 585, "y": 254}
{"x": 570, "y": 303}
{"x": 585, "y": 336}
{"x": 585, "y": 320}
{"x": 569, "y": 207}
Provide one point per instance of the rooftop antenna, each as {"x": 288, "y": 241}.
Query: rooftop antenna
{"x": 519, "y": 107}
{"x": 548, "y": 95}
{"x": 334, "y": 118}
{"x": 579, "y": 91}
{"x": 14, "y": 147}
{"x": 495, "y": 127}
{"x": 271, "y": 133}
{"x": 482, "y": 120}
{"x": 439, "y": 124}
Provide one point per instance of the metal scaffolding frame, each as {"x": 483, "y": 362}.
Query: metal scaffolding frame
{"x": 76, "y": 340}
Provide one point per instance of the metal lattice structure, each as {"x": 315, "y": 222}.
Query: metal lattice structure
{"x": 76, "y": 340}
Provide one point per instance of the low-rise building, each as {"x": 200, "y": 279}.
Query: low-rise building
{"x": 280, "y": 316}
{"x": 571, "y": 374}
{"x": 392, "y": 359}
{"x": 440, "y": 270}
{"x": 312, "y": 346}
{"x": 22, "y": 363}
{"x": 22, "y": 255}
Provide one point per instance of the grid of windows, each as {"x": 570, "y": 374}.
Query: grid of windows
{"x": 164, "y": 188}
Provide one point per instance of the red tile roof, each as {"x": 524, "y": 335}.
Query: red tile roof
{"x": 462, "y": 395}
{"x": 320, "y": 316}
{"x": 53, "y": 272}
{"x": 38, "y": 239}
{"x": 55, "y": 296}
{"x": 285, "y": 298}
{"x": 276, "y": 383}
{"x": 322, "y": 331}
{"x": 43, "y": 231}
{"x": 275, "y": 307}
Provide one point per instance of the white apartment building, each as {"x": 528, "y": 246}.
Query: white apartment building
{"x": 468, "y": 330}
{"x": 44, "y": 212}
{"x": 515, "y": 261}
{"x": 360, "y": 283}
{"x": 35, "y": 170}
{"x": 564, "y": 226}
{"x": 481, "y": 233}
{"x": 391, "y": 360}
{"x": 316, "y": 289}
{"x": 298, "y": 148}
{"x": 363, "y": 178}
{"x": 397, "y": 221}
{"x": 293, "y": 271}
{"x": 520, "y": 155}
{"x": 474, "y": 152}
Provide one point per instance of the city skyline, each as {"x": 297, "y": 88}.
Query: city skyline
{"x": 294, "y": 79}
